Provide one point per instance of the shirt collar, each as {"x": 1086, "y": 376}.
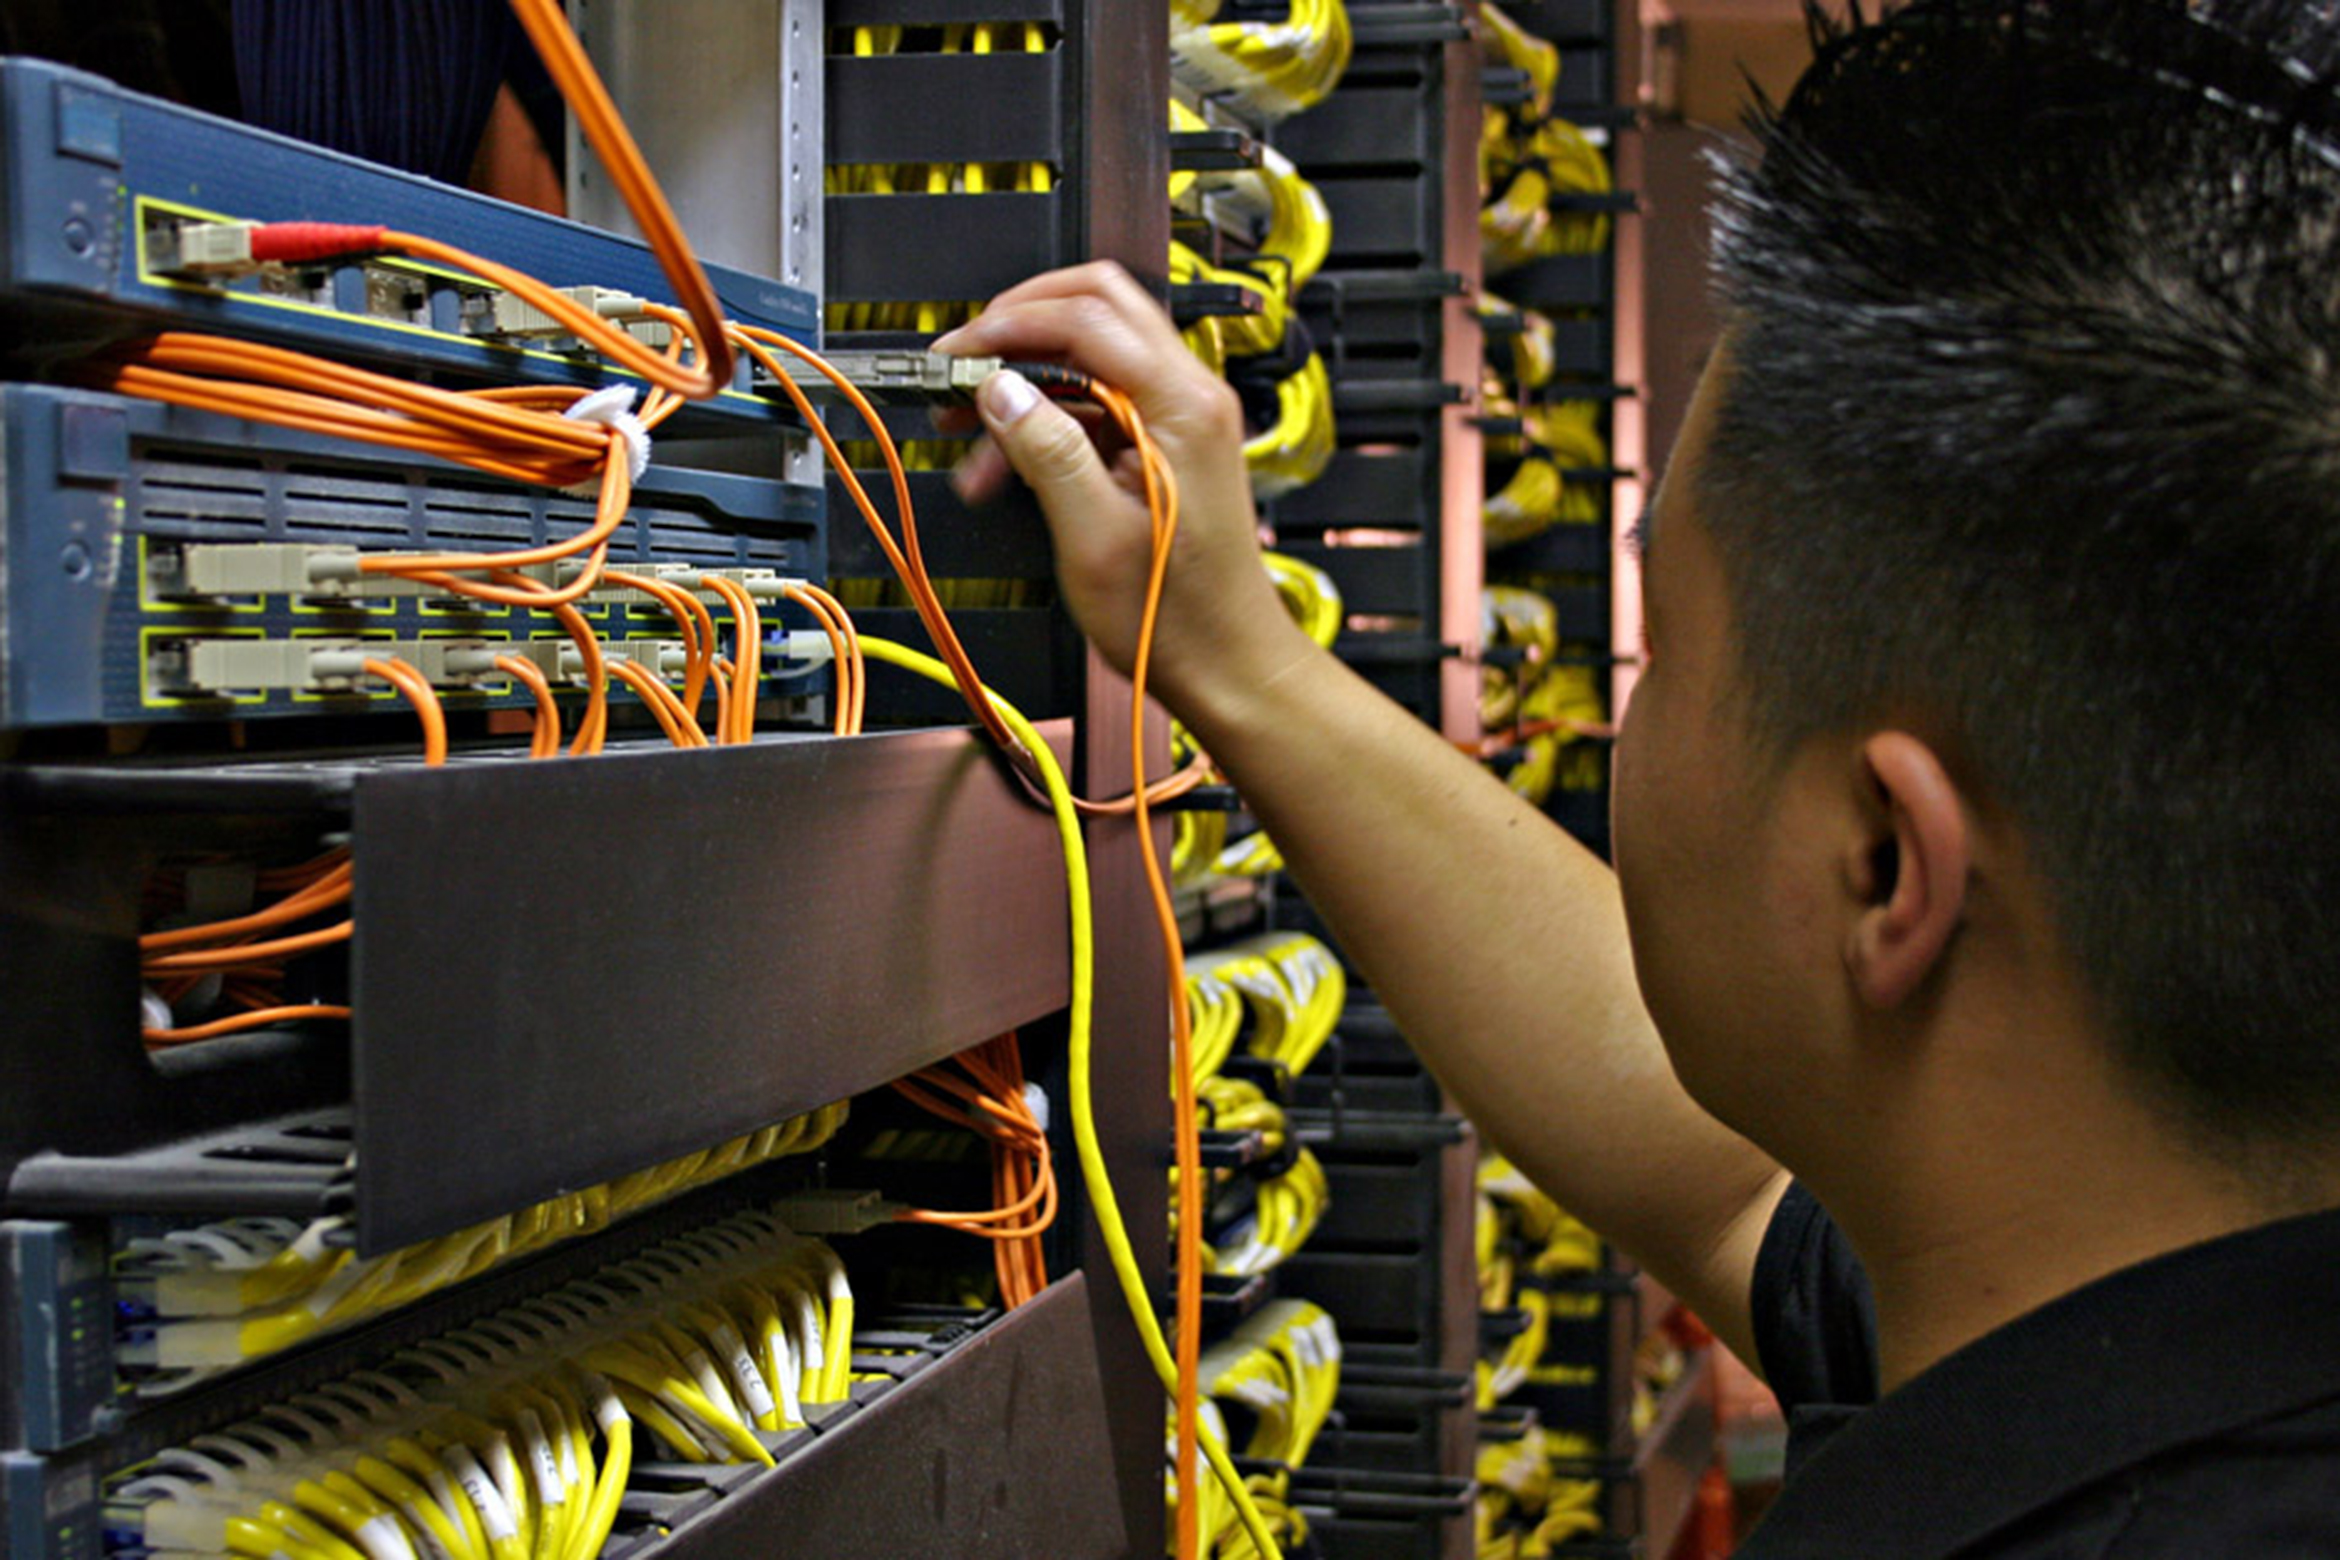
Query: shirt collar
{"x": 2184, "y": 1346}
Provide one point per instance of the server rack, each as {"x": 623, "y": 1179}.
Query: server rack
{"x": 1033, "y": 1432}
{"x": 1637, "y": 1368}
{"x": 1392, "y": 521}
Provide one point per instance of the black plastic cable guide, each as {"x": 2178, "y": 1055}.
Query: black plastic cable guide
{"x": 1383, "y": 1386}
{"x": 295, "y": 1166}
{"x": 1505, "y": 86}
{"x": 1608, "y": 1470}
{"x": 1228, "y": 1297}
{"x": 1618, "y": 201}
{"x": 1272, "y": 1077}
{"x": 1337, "y": 288}
{"x": 1497, "y": 1328}
{"x": 1507, "y": 1422}
{"x": 1204, "y": 798}
{"x": 1352, "y": 1492}
{"x": 1402, "y": 26}
{"x": 1352, "y": 1128}
{"x": 1230, "y": 1150}
{"x": 1394, "y": 395}
{"x": 1586, "y": 390}
{"x": 1192, "y": 301}
{"x": 1595, "y": 1281}
{"x": 1217, "y": 149}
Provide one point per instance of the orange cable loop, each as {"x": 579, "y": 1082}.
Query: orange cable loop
{"x": 544, "y": 739}
{"x": 260, "y": 1018}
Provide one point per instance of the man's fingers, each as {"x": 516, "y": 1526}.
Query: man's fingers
{"x": 1049, "y": 449}
{"x": 1135, "y": 349}
{"x": 981, "y": 472}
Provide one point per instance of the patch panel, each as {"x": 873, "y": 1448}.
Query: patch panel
{"x": 221, "y": 667}
{"x": 125, "y": 214}
{"x": 129, "y": 524}
{"x": 212, "y": 571}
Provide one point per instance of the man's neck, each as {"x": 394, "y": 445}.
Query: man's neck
{"x": 1946, "y": 1267}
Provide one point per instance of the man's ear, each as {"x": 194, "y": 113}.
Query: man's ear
{"x": 1911, "y": 873}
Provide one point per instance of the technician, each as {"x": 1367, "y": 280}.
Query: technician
{"x": 1960, "y": 1034}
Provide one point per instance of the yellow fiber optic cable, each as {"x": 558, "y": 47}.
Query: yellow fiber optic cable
{"x": 1106, "y": 1206}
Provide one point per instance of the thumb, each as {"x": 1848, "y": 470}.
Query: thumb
{"x": 1048, "y": 447}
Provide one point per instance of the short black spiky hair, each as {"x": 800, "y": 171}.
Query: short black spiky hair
{"x": 2030, "y": 432}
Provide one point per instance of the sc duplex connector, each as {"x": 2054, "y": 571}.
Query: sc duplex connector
{"x": 894, "y": 378}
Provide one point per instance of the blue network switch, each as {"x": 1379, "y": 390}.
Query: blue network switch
{"x": 98, "y": 183}
{"x": 101, "y": 497}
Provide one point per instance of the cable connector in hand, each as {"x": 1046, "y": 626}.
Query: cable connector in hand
{"x": 896, "y": 378}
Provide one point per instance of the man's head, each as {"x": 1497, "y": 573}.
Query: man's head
{"x": 2026, "y": 439}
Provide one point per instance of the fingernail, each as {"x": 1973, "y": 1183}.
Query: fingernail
{"x": 1006, "y": 396}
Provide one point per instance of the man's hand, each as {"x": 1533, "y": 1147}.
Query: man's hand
{"x": 1221, "y": 626}
{"x": 1495, "y": 940}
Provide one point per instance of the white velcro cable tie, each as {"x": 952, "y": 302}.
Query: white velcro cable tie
{"x": 612, "y": 406}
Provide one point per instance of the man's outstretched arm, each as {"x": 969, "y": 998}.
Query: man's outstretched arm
{"x": 1495, "y": 940}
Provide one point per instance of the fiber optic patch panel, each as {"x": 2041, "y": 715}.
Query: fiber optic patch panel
{"x": 134, "y": 530}
{"x": 111, "y": 199}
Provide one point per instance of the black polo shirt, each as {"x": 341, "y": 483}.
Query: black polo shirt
{"x": 2188, "y": 1406}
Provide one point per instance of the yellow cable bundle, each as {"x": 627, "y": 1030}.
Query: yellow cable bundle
{"x": 1511, "y": 618}
{"x": 1501, "y": 1377}
{"x": 1274, "y": 69}
{"x": 1283, "y": 1519}
{"x": 1568, "y": 694}
{"x": 1512, "y": 225}
{"x": 1243, "y": 335}
{"x": 1564, "y": 436}
{"x": 1525, "y": 1508}
{"x": 1283, "y": 1364}
{"x": 1532, "y": 348}
{"x": 1294, "y": 450}
{"x": 481, "y": 1444}
{"x": 1295, "y": 988}
{"x": 1523, "y": 50}
{"x": 1520, "y": 176}
{"x": 1267, "y": 1001}
{"x": 1286, "y": 1212}
{"x": 1567, "y": 1246}
{"x": 1105, "y": 1206}
{"x": 1254, "y": 855}
{"x": 1309, "y": 594}
{"x": 1575, "y": 167}
{"x": 1299, "y": 230}
{"x": 1196, "y": 839}
{"x": 1216, "y": 1008}
{"x": 1239, "y": 1105}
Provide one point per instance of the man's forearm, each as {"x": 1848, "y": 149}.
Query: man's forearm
{"x": 1498, "y": 944}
